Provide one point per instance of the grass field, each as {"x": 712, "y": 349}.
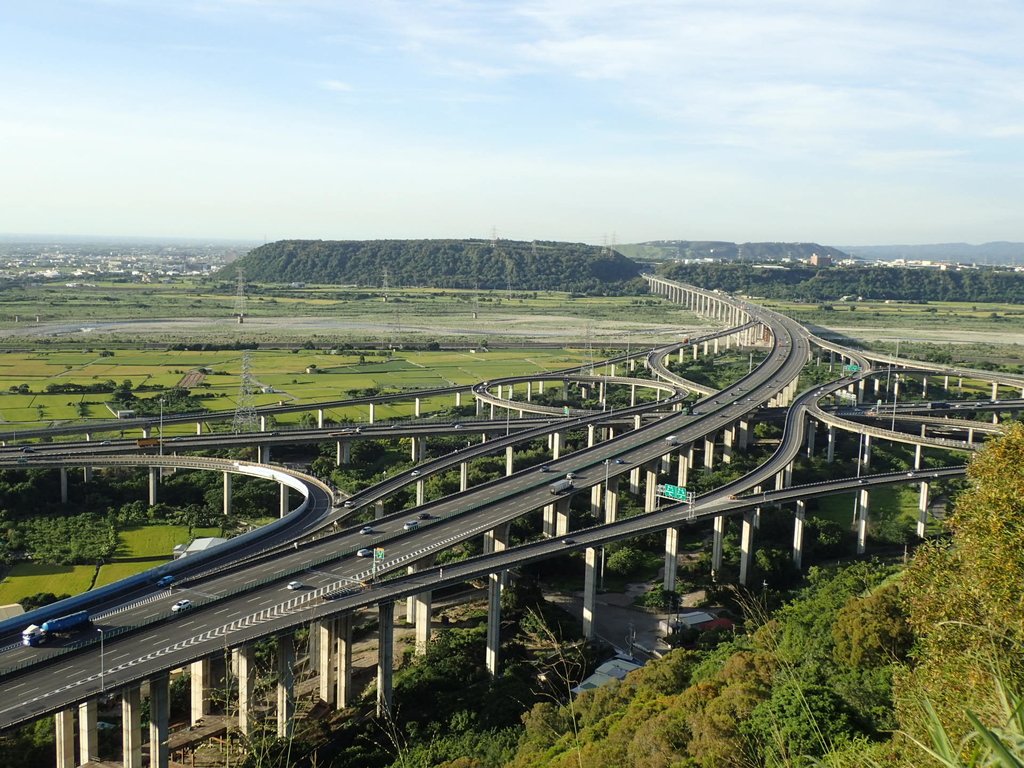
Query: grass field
{"x": 141, "y": 548}
{"x": 26, "y": 579}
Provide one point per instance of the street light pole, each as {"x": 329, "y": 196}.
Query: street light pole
{"x": 161, "y": 426}
{"x": 102, "y": 682}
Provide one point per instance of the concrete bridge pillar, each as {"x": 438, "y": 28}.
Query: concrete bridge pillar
{"x": 634, "y": 481}
{"x": 743, "y": 441}
{"x": 830, "y": 451}
{"x": 458, "y": 399}
{"x": 131, "y": 727}
{"x": 226, "y": 495}
{"x": 263, "y": 454}
{"x": 812, "y": 429}
{"x": 385, "y": 657}
{"x": 509, "y": 460}
{"x": 709, "y": 452}
{"x": 562, "y": 516}
{"x": 922, "y": 509}
{"x": 263, "y": 423}
{"x": 326, "y": 630}
{"x": 651, "y": 491}
{"x": 717, "y": 543}
{"x": 373, "y": 413}
{"x": 683, "y": 472}
{"x": 88, "y": 733}
{"x": 87, "y": 474}
{"x": 463, "y": 476}
{"x": 421, "y": 492}
{"x": 591, "y": 435}
{"x": 159, "y": 720}
{"x": 863, "y": 511}
{"x": 589, "y": 591}
{"x": 199, "y": 427}
{"x": 154, "y": 479}
{"x": 416, "y": 407}
{"x": 728, "y": 438}
{"x": 597, "y": 494}
{"x": 493, "y": 649}
{"x": 343, "y": 455}
{"x": 632, "y": 394}
{"x": 995, "y": 390}
{"x": 63, "y": 485}
{"x": 146, "y": 433}
{"x": 548, "y": 528}
{"x": 378, "y": 509}
{"x": 244, "y": 662}
{"x": 319, "y": 418}
{"x": 866, "y": 458}
{"x": 199, "y": 686}
{"x": 747, "y": 548}
{"x": 611, "y": 506}
{"x": 671, "y": 558}
{"x": 285, "y": 685}
{"x": 798, "y": 534}
{"x": 417, "y": 448}
{"x": 283, "y": 491}
{"x": 64, "y": 724}
{"x": 345, "y": 694}
{"x": 556, "y": 445}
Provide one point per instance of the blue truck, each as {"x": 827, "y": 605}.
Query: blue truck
{"x": 37, "y": 634}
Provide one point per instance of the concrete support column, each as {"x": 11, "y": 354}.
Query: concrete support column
{"x": 378, "y": 509}
{"x": 597, "y": 494}
{"x": 199, "y": 427}
{"x": 421, "y": 492}
{"x": 463, "y": 476}
{"x": 199, "y": 674}
{"x": 650, "y": 491}
{"x": 717, "y": 542}
{"x": 671, "y": 558}
{"x": 746, "y": 548}
{"x": 548, "y": 524}
{"x": 562, "y": 516}
{"x": 373, "y": 412}
{"x": 88, "y": 734}
{"x": 263, "y": 423}
{"x": 556, "y": 445}
{"x": 159, "y": 720}
{"x": 64, "y": 724}
{"x": 632, "y": 394}
{"x": 244, "y": 662}
{"x": 728, "y": 438}
{"x": 417, "y": 448}
{"x": 591, "y": 435}
{"x": 611, "y": 500}
{"x": 343, "y": 455}
{"x": 131, "y": 727}
{"x": 263, "y": 454}
{"x": 63, "y": 485}
{"x": 327, "y": 661}
{"x": 589, "y": 591}
{"x": 146, "y": 433}
{"x": 830, "y": 451}
{"x": 319, "y": 418}
{"x": 423, "y": 609}
{"x": 529, "y": 391}
{"x": 416, "y": 408}
{"x": 922, "y": 509}
{"x": 709, "y": 452}
{"x": 458, "y": 399}
{"x": 284, "y": 498}
{"x": 812, "y": 429}
{"x": 683, "y": 474}
{"x": 862, "y": 520}
{"x": 798, "y": 534}
{"x": 227, "y": 493}
{"x": 509, "y": 460}
{"x": 493, "y": 649}
{"x": 345, "y": 693}
{"x": 385, "y": 657}
{"x": 285, "y": 685}
{"x": 154, "y": 479}
{"x": 995, "y": 390}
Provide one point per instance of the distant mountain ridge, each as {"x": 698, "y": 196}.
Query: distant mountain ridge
{"x": 997, "y": 252}
{"x": 665, "y": 250}
{"x": 503, "y": 264}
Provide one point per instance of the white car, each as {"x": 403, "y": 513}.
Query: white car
{"x": 295, "y": 585}
{"x": 415, "y": 473}
{"x": 364, "y": 552}
{"x": 366, "y": 529}
{"x": 411, "y": 525}
{"x": 181, "y": 605}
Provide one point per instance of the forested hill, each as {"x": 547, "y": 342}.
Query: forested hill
{"x": 661, "y": 250}
{"x": 442, "y": 264}
{"x": 832, "y": 283}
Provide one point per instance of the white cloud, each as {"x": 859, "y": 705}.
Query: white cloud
{"x": 336, "y": 85}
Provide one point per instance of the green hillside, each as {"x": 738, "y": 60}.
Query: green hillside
{"x": 508, "y": 264}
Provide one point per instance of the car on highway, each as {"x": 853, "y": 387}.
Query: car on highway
{"x": 366, "y": 529}
{"x": 347, "y": 504}
{"x": 620, "y": 461}
{"x": 411, "y": 525}
{"x": 568, "y": 542}
{"x": 545, "y": 468}
{"x": 570, "y": 475}
{"x": 424, "y": 516}
{"x": 458, "y": 426}
{"x": 181, "y": 605}
{"x": 415, "y": 473}
{"x": 295, "y": 585}
{"x": 364, "y": 552}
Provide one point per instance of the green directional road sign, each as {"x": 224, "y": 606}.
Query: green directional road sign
{"x": 673, "y": 491}
{"x": 852, "y": 368}
{"x": 378, "y": 553}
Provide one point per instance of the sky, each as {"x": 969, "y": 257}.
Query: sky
{"x": 849, "y": 122}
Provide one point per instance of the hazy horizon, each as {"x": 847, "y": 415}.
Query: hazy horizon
{"x": 604, "y": 121}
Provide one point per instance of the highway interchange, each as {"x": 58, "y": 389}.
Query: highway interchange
{"x": 236, "y": 604}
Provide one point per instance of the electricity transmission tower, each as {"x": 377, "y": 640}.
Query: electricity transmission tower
{"x": 240, "y": 297}
{"x": 245, "y": 411}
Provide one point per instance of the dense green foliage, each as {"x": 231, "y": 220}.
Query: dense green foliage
{"x": 471, "y": 264}
{"x": 830, "y": 284}
{"x": 719, "y": 249}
